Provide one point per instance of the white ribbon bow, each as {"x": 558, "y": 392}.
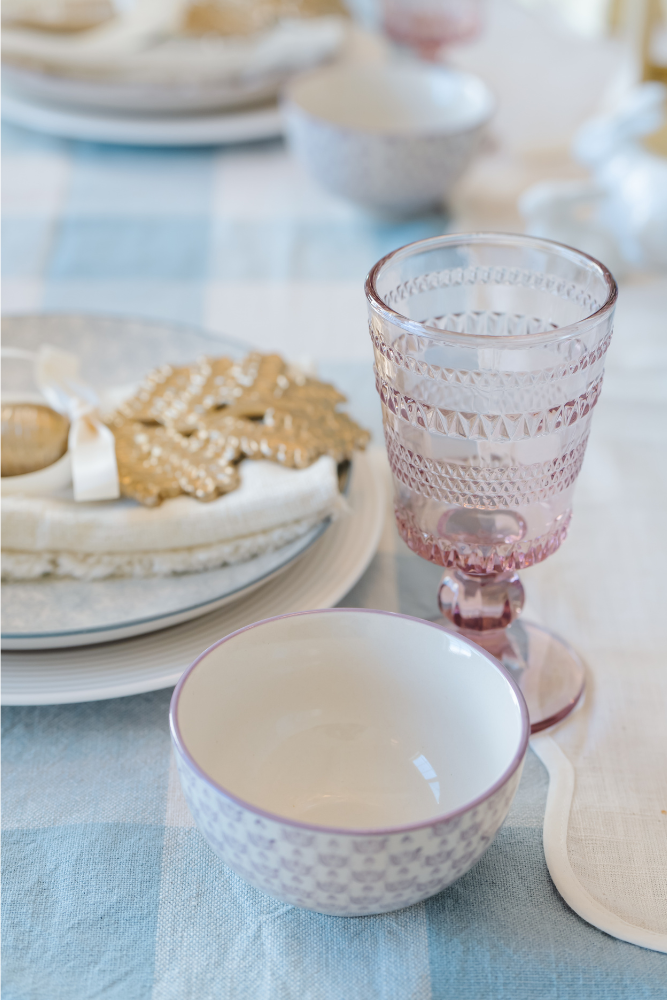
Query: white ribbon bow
{"x": 91, "y": 444}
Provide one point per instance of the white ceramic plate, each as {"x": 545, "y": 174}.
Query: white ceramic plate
{"x": 54, "y": 613}
{"x": 146, "y": 69}
{"x": 143, "y": 130}
{"x": 57, "y": 613}
{"x": 320, "y": 579}
{"x": 117, "y": 97}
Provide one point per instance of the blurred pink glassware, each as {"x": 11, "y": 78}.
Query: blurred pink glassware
{"x": 427, "y": 26}
{"x": 489, "y": 356}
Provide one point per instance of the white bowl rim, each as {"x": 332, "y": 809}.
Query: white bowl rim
{"x": 288, "y": 101}
{"x": 350, "y": 831}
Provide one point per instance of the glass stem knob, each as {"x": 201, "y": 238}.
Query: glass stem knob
{"x": 481, "y": 603}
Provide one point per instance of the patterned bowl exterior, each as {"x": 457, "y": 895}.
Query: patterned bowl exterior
{"x": 399, "y": 173}
{"x": 344, "y": 873}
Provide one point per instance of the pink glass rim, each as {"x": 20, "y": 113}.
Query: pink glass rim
{"x": 498, "y": 239}
{"x": 349, "y": 831}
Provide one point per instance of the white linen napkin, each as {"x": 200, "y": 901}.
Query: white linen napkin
{"x": 272, "y": 507}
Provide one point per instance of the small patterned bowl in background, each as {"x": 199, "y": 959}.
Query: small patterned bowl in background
{"x": 348, "y": 761}
{"x": 394, "y": 137}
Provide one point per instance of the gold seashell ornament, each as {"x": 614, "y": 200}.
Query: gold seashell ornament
{"x": 33, "y": 437}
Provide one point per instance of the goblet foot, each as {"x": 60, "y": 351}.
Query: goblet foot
{"x": 550, "y": 674}
{"x": 485, "y": 610}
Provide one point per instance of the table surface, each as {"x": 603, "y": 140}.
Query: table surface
{"x": 109, "y": 891}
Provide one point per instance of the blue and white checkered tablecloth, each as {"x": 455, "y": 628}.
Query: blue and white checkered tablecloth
{"x": 109, "y": 891}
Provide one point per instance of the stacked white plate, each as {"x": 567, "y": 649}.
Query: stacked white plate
{"x": 68, "y": 657}
{"x": 211, "y": 129}
{"x": 139, "y": 80}
{"x": 319, "y": 579}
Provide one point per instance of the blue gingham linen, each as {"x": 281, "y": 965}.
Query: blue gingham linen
{"x": 109, "y": 890}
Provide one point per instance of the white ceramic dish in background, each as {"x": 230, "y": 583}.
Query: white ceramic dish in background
{"x": 393, "y": 137}
{"x": 118, "y": 97}
{"x": 348, "y": 761}
{"x": 143, "y": 130}
{"x": 156, "y": 71}
{"x": 151, "y": 115}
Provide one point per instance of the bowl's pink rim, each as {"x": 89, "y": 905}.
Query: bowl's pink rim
{"x": 349, "y": 831}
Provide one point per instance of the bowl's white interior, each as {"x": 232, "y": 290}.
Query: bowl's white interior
{"x": 350, "y": 720}
{"x": 394, "y": 98}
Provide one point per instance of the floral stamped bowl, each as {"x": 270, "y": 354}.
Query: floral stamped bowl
{"x": 393, "y": 137}
{"x": 348, "y": 761}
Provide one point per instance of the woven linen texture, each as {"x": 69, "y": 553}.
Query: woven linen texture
{"x": 604, "y": 590}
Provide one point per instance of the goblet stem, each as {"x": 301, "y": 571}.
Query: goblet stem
{"x": 481, "y": 603}
{"x": 485, "y": 609}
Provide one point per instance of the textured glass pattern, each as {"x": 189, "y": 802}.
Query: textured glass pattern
{"x": 488, "y": 373}
{"x": 553, "y": 284}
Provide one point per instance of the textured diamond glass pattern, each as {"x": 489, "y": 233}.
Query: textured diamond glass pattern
{"x": 489, "y": 359}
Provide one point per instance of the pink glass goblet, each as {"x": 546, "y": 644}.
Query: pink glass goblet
{"x": 489, "y": 355}
{"x": 427, "y": 26}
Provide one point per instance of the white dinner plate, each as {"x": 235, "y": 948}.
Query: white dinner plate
{"x": 320, "y": 579}
{"x": 213, "y": 128}
{"x": 123, "y": 98}
{"x": 52, "y": 613}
